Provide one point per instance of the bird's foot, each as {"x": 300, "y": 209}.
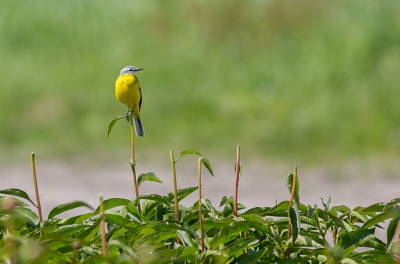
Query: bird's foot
{"x": 128, "y": 114}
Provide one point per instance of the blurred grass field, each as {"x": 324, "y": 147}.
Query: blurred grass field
{"x": 304, "y": 80}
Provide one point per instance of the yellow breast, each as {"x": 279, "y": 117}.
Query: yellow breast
{"x": 127, "y": 90}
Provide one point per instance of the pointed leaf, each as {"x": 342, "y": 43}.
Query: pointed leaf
{"x": 122, "y": 246}
{"x": 240, "y": 244}
{"x": 27, "y": 215}
{"x": 294, "y": 221}
{"x": 133, "y": 164}
{"x": 207, "y": 164}
{"x": 381, "y": 217}
{"x": 187, "y": 152}
{"x": 66, "y": 207}
{"x": 18, "y": 193}
{"x": 254, "y": 256}
{"x": 279, "y": 210}
{"x": 253, "y": 218}
{"x": 182, "y": 193}
{"x": 68, "y": 230}
{"x": 111, "y": 203}
{"x": 392, "y": 230}
{"x": 326, "y": 205}
{"x": 289, "y": 184}
{"x": 186, "y": 240}
{"x": 119, "y": 220}
{"x": 189, "y": 254}
{"x": 174, "y": 225}
{"x": 226, "y": 233}
{"x": 150, "y": 176}
{"x": 353, "y": 237}
{"x": 155, "y": 197}
{"x": 373, "y": 256}
{"x": 111, "y": 125}
{"x": 217, "y": 256}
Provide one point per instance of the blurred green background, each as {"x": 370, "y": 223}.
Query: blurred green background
{"x": 310, "y": 81}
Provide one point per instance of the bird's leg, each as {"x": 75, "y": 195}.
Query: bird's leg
{"x": 128, "y": 114}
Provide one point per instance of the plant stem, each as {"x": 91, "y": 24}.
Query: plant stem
{"x": 134, "y": 160}
{"x": 293, "y": 185}
{"x": 291, "y": 204}
{"x": 237, "y": 172}
{"x": 103, "y": 227}
{"x": 200, "y": 207}
{"x": 35, "y": 185}
{"x": 176, "y": 213}
{"x": 171, "y": 155}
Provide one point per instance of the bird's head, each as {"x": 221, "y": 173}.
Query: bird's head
{"x": 129, "y": 70}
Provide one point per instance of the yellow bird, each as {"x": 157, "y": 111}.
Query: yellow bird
{"x": 128, "y": 91}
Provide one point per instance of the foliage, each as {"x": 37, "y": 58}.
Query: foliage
{"x": 324, "y": 234}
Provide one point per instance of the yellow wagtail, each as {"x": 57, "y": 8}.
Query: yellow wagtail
{"x": 128, "y": 91}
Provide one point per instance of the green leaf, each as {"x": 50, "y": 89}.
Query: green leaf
{"x": 311, "y": 211}
{"x": 354, "y": 237}
{"x": 182, "y": 193}
{"x": 216, "y": 256}
{"x": 68, "y": 230}
{"x": 188, "y": 152}
{"x": 155, "y": 197}
{"x": 392, "y": 231}
{"x": 374, "y": 208}
{"x": 254, "y": 256}
{"x": 174, "y": 225}
{"x": 257, "y": 210}
{"x": 66, "y": 207}
{"x": 326, "y": 205}
{"x": 253, "y": 218}
{"x": 78, "y": 219}
{"x": 357, "y": 215}
{"x": 240, "y": 244}
{"x": 160, "y": 212}
{"x": 122, "y": 246}
{"x": 289, "y": 184}
{"x": 207, "y": 164}
{"x": 279, "y": 210}
{"x": 340, "y": 222}
{"x": 111, "y": 203}
{"x": 26, "y": 215}
{"x": 226, "y": 200}
{"x": 341, "y": 208}
{"x": 132, "y": 164}
{"x": 294, "y": 221}
{"x": 381, "y": 218}
{"x": 89, "y": 233}
{"x": 189, "y": 253}
{"x": 185, "y": 238}
{"x": 308, "y": 241}
{"x": 149, "y": 208}
{"x": 111, "y": 125}
{"x": 150, "y": 176}
{"x": 226, "y": 233}
{"x": 17, "y": 193}
{"x": 117, "y": 219}
{"x": 373, "y": 256}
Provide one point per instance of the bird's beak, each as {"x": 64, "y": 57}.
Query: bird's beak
{"x": 139, "y": 69}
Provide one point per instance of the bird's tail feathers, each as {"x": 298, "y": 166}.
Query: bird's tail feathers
{"x": 139, "y": 129}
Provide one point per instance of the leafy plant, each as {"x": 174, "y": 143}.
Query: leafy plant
{"x": 287, "y": 232}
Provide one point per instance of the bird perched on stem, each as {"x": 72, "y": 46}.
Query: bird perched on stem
{"x": 128, "y": 92}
